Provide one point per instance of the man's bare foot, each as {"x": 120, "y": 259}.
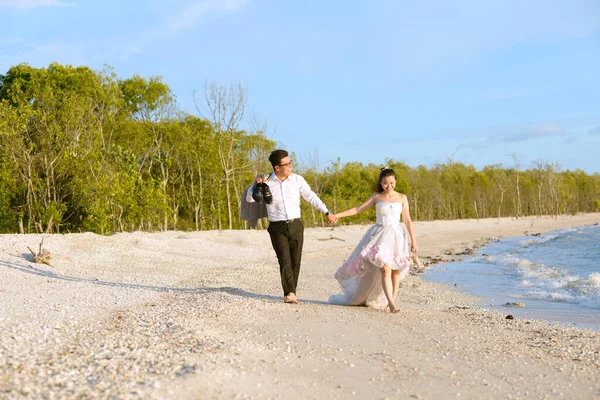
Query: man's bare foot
{"x": 291, "y": 299}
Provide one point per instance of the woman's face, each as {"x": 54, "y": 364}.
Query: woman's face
{"x": 388, "y": 184}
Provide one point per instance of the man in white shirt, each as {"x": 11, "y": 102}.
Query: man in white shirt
{"x": 285, "y": 227}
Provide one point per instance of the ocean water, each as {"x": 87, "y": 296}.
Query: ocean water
{"x": 556, "y": 275}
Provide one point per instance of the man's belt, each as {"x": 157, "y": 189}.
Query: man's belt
{"x": 286, "y": 221}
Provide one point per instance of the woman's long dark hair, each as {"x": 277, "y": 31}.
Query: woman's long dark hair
{"x": 385, "y": 172}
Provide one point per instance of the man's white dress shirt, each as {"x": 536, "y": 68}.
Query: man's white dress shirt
{"x": 286, "y": 197}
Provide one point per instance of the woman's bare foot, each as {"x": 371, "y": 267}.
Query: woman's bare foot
{"x": 391, "y": 308}
{"x": 291, "y": 299}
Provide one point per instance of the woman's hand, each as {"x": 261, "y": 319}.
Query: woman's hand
{"x": 414, "y": 248}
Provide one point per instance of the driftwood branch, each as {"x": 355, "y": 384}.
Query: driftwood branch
{"x": 42, "y": 256}
{"x": 331, "y": 237}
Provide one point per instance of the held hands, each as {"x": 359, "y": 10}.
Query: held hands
{"x": 332, "y": 219}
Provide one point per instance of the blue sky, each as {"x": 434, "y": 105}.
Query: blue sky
{"x": 478, "y": 82}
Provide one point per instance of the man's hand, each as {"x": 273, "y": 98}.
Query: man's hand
{"x": 259, "y": 178}
{"x": 332, "y": 219}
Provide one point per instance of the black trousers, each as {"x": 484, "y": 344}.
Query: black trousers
{"x": 287, "y": 240}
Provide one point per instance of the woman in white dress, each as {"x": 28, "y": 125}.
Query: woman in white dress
{"x": 372, "y": 273}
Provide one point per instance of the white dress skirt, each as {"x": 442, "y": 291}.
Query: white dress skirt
{"x": 385, "y": 243}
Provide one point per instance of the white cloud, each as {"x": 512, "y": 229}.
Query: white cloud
{"x": 11, "y": 41}
{"x": 502, "y": 95}
{"x": 234, "y": 5}
{"x": 125, "y": 55}
{"x": 191, "y": 14}
{"x": 436, "y": 37}
{"x": 536, "y": 131}
{"x": 29, "y": 4}
{"x": 42, "y": 55}
{"x": 545, "y": 129}
{"x": 182, "y": 20}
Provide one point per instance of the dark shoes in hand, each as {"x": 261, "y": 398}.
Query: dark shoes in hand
{"x": 257, "y": 193}
{"x": 261, "y": 192}
{"x": 267, "y": 196}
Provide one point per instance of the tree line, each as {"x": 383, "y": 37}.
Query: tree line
{"x": 83, "y": 150}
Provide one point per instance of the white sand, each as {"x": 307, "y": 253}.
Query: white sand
{"x": 199, "y": 315}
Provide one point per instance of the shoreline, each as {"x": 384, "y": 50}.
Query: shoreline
{"x": 200, "y": 314}
{"x": 550, "y": 313}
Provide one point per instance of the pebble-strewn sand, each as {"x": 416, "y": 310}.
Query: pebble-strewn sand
{"x": 194, "y": 315}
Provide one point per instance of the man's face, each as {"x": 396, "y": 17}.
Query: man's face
{"x": 285, "y": 167}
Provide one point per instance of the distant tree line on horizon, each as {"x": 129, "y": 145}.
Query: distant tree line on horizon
{"x": 83, "y": 150}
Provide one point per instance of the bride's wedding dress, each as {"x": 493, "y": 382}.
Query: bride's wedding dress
{"x": 385, "y": 243}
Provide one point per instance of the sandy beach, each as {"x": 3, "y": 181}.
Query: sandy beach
{"x": 195, "y": 315}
